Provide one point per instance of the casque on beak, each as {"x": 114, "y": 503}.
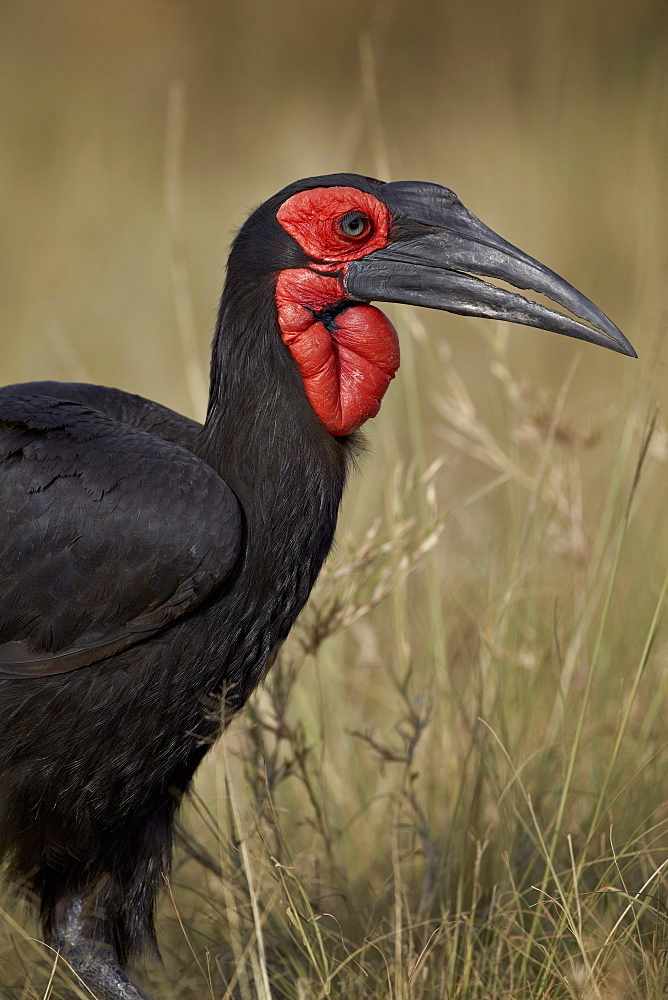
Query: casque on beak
{"x": 436, "y": 250}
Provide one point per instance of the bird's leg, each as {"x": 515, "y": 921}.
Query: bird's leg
{"x": 78, "y": 934}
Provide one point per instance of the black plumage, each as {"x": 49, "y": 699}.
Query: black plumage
{"x": 150, "y": 567}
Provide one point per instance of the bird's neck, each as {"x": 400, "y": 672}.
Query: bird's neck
{"x": 261, "y": 433}
{"x": 287, "y": 471}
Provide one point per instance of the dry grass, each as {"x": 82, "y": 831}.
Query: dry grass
{"x": 453, "y": 782}
{"x": 486, "y": 822}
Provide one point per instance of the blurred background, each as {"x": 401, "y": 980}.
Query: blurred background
{"x": 137, "y": 134}
{"x": 549, "y": 120}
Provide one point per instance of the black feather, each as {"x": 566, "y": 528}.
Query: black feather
{"x": 119, "y": 514}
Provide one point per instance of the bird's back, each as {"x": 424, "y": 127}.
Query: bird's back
{"x": 126, "y": 407}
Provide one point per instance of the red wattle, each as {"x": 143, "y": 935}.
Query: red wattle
{"x": 347, "y": 368}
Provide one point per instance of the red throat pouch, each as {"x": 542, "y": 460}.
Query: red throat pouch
{"x": 347, "y": 353}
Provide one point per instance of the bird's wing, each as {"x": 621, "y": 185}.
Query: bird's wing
{"x": 127, "y": 407}
{"x": 107, "y": 534}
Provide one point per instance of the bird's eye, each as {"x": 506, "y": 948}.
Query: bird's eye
{"x": 355, "y": 225}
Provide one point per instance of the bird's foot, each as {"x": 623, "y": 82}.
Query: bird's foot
{"x": 92, "y": 959}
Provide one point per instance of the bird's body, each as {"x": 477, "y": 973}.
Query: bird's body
{"x": 138, "y": 724}
{"x": 152, "y": 566}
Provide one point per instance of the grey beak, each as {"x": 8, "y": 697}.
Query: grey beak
{"x": 436, "y": 250}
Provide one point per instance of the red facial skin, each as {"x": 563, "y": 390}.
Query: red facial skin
{"x": 347, "y": 359}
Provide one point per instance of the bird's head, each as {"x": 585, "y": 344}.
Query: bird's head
{"x": 343, "y": 240}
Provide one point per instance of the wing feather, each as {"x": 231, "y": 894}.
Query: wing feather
{"x": 107, "y": 534}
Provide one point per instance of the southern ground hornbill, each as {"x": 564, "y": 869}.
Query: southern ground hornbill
{"x": 151, "y": 564}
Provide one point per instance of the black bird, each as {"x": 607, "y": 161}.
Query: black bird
{"x": 150, "y": 564}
